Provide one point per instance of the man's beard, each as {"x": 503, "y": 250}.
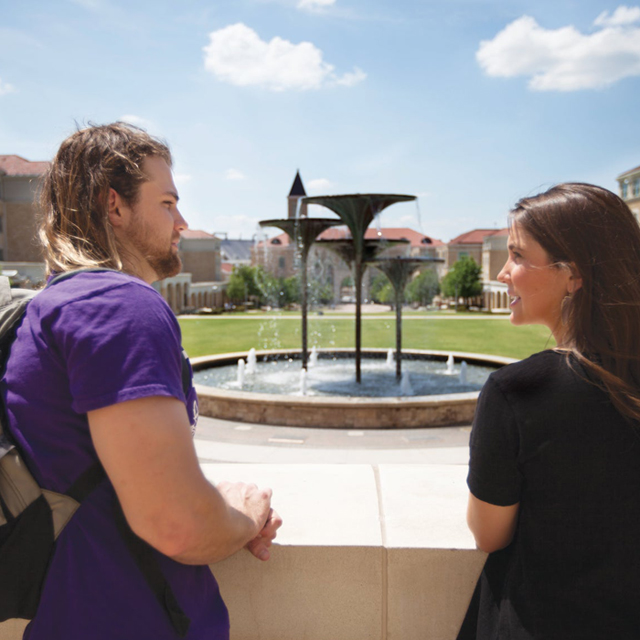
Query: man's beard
{"x": 165, "y": 262}
{"x": 167, "y": 265}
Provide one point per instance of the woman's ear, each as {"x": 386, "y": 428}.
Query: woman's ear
{"x": 575, "y": 281}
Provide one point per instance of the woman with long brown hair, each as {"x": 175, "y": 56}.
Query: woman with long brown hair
{"x": 554, "y": 472}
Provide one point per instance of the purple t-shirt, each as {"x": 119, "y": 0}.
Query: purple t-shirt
{"x": 88, "y": 342}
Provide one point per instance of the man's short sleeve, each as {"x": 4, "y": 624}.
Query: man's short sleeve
{"x": 120, "y": 345}
{"x": 494, "y": 476}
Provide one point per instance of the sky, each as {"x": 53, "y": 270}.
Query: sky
{"x": 467, "y": 104}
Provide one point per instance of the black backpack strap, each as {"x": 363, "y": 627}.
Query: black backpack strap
{"x": 140, "y": 550}
{"x": 87, "y": 482}
{"x": 186, "y": 374}
{"x": 147, "y": 562}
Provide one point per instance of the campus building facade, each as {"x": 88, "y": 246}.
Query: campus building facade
{"x": 629, "y": 186}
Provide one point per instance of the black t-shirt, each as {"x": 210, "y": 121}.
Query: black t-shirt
{"x": 547, "y": 438}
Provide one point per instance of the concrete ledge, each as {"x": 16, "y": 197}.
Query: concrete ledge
{"x": 341, "y": 412}
{"x": 365, "y": 553}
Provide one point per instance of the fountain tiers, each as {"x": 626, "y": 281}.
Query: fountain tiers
{"x": 357, "y": 211}
{"x": 340, "y": 413}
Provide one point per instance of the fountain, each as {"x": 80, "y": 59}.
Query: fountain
{"x": 357, "y": 211}
{"x": 399, "y": 269}
{"x": 323, "y": 393}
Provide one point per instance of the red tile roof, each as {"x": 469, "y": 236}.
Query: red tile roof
{"x": 339, "y": 233}
{"x": 404, "y": 233}
{"x": 188, "y": 234}
{"x": 13, "y": 165}
{"x": 226, "y": 267}
{"x": 476, "y": 236}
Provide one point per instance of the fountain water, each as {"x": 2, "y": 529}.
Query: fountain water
{"x": 303, "y": 382}
{"x": 405, "y": 385}
{"x": 450, "y": 367}
{"x": 313, "y": 358}
{"x": 240, "y": 378}
{"x": 303, "y": 231}
{"x": 251, "y": 361}
{"x": 463, "y": 373}
{"x": 389, "y": 363}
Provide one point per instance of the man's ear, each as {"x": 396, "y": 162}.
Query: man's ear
{"x": 116, "y": 209}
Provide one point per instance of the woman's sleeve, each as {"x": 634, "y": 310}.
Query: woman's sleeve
{"x": 494, "y": 474}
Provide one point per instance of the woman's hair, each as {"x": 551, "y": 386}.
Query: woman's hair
{"x": 592, "y": 231}
{"x": 74, "y": 226}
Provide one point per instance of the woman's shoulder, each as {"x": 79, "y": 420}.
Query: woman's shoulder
{"x": 540, "y": 369}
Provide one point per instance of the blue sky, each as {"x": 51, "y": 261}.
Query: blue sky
{"x": 469, "y": 104}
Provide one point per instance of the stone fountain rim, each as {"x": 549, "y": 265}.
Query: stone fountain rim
{"x": 213, "y": 393}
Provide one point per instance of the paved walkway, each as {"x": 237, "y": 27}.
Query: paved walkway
{"x": 224, "y": 441}
{"x": 341, "y": 316}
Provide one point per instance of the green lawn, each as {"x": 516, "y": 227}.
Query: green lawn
{"x": 211, "y": 335}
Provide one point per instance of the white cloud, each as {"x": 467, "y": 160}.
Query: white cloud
{"x": 234, "y": 174}
{"x": 5, "y": 88}
{"x": 621, "y": 16}
{"x": 353, "y": 78}
{"x": 564, "y": 59}
{"x": 236, "y": 54}
{"x": 137, "y": 121}
{"x": 315, "y": 5}
{"x": 182, "y": 178}
{"x": 319, "y": 185}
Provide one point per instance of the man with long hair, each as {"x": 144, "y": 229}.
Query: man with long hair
{"x": 96, "y": 376}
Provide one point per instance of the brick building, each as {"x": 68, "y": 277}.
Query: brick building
{"x": 19, "y": 183}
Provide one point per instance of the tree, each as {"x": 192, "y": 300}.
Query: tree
{"x": 381, "y": 290}
{"x": 463, "y": 279}
{"x": 423, "y": 288}
{"x": 252, "y": 283}
{"x": 290, "y": 290}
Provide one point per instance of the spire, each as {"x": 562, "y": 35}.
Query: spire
{"x": 297, "y": 188}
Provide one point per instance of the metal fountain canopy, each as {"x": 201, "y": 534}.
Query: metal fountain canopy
{"x": 356, "y": 211}
{"x": 399, "y": 269}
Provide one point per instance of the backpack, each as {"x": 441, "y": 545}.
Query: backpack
{"x": 31, "y": 518}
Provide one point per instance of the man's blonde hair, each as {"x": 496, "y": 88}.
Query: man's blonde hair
{"x": 74, "y": 226}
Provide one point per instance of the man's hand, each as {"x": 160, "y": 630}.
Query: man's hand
{"x": 259, "y": 546}
{"x": 246, "y": 500}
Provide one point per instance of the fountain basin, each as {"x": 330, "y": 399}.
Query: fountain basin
{"x": 341, "y": 412}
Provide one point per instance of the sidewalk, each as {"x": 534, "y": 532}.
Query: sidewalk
{"x": 225, "y": 441}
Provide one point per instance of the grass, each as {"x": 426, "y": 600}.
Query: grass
{"x": 211, "y": 335}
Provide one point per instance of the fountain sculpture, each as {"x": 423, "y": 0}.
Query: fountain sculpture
{"x": 357, "y": 211}
{"x": 399, "y": 269}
